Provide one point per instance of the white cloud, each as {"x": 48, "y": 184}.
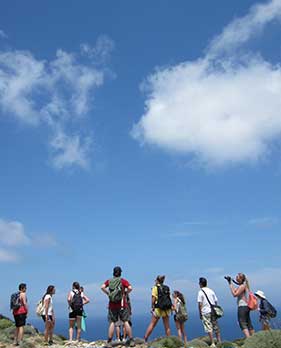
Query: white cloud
{"x": 56, "y": 93}
{"x": 12, "y": 233}
{"x": 3, "y": 35}
{"x": 69, "y": 150}
{"x": 220, "y": 109}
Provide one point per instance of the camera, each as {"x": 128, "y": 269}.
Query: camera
{"x": 228, "y": 278}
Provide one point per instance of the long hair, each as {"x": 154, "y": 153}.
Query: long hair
{"x": 245, "y": 280}
{"x": 49, "y": 291}
{"x": 180, "y": 296}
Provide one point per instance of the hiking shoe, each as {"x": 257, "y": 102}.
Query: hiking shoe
{"x": 51, "y": 343}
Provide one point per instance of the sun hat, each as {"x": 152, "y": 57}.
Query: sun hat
{"x": 260, "y": 294}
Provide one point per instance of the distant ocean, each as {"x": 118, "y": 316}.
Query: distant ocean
{"x": 97, "y": 327}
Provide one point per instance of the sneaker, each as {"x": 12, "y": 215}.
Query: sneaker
{"x": 51, "y": 343}
{"x": 213, "y": 345}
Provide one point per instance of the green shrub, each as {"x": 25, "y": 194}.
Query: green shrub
{"x": 167, "y": 342}
{"x": 5, "y": 323}
{"x": 264, "y": 339}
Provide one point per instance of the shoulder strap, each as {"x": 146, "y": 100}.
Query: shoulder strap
{"x": 207, "y": 297}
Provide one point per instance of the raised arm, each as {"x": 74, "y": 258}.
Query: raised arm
{"x": 237, "y": 291}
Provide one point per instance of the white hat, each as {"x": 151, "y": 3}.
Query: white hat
{"x": 260, "y": 294}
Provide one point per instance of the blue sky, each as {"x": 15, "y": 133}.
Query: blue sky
{"x": 142, "y": 134}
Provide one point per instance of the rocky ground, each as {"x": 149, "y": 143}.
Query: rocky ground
{"x": 34, "y": 339}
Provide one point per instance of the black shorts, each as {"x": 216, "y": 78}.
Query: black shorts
{"x": 20, "y": 320}
{"x": 75, "y": 314}
{"x": 122, "y": 314}
{"x": 50, "y": 317}
{"x": 244, "y": 318}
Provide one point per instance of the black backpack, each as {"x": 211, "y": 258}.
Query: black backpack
{"x": 164, "y": 300}
{"x": 15, "y": 301}
{"x": 76, "y": 301}
{"x": 271, "y": 311}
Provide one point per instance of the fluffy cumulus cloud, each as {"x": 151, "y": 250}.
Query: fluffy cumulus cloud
{"x": 56, "y": 93}
{"x": 223, "y": 108}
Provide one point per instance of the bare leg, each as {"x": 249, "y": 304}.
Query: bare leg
{"x": 20, "y": 333}
{"x": 128, "y": 329}
{"x": 246, "y": 333}
{"x": 47, "y": 330}
{"x": 151, "y": 326}
{"x": 111, "y": 330}
{"x": 78, "y": 323}
{"x": 166, "y": 323}
{"x": 211, "y": 337}
{"x": 218, "y": 335}
{"x": 71, "y": 326}
{"x": 182, "y": 327}
{"x": 178, "y": 329}
{"x": 117, "y": 329}
{"x": 16, "y": 337}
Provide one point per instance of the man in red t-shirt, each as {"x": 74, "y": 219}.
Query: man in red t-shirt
{"x": 118, "y": 310}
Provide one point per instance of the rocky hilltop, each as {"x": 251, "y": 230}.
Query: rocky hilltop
{"x": 34, "y": 339}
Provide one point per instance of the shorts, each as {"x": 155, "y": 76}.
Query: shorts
{"x": 244, "y": 318}
{"x": 50, "y": 318}
{"x": 209, "y": 323}
{"x": 160, "y": 313}
{"x": 74, "y": 314}
{"x": 114, "y": 315}
{"x": 20, "y": 319}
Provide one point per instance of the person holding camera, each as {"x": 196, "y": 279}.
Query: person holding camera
{"x": 241, "y": 293}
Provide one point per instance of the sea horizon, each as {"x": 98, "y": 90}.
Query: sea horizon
{"x": 96, "y": 327}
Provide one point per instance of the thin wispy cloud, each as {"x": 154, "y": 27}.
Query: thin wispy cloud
{"x": 223, "y": 108}
{"x": 56, "y": 93}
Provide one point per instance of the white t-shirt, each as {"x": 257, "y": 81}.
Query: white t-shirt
{"x": 206, "y": 308}
{"x": 50, "y": 308}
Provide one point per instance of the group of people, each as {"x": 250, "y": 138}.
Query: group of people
{"x": 162, "y": 306}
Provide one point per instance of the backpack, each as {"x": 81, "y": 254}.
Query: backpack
{"x": 164, "y": 300}
{"x": 252, "y": 301}
{"x": 15, "y": 302}
{"x": 40, "y": 307}
{"x": 181, "y": 314}
{"x": 115, "y": 290}
{"x": 76, "y": 301}
{"x": 271, "y": 311}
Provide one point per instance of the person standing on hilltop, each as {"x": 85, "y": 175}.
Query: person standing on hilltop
{"x": 161, "y": 306}
{"x": 241, "y": 293}
{"x": 117, "y": 289}
{"x": 20, "y": 311}
{"x": 76, "y": 301}
{"x": 180, "y": 316}
{"x": 48, "y": 314}
{"x": 206, "y": 297}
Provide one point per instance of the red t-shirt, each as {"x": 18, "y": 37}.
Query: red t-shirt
{"x": 118, "y": 305}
